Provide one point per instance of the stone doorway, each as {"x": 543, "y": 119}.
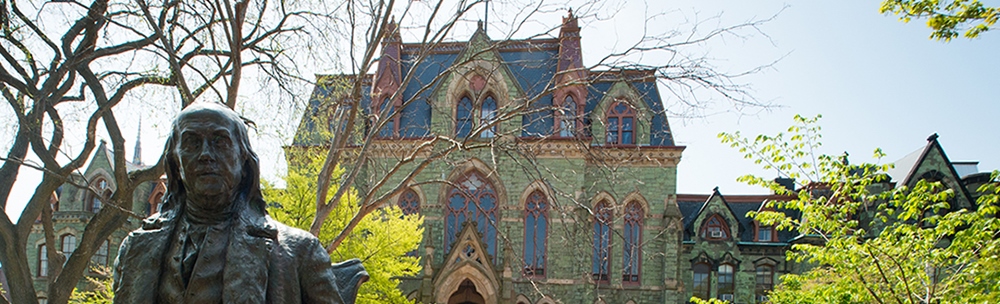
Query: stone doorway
{"x": 466, "y": 294}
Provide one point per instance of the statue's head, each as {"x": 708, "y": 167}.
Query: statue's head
{"x": 208, "y": 154}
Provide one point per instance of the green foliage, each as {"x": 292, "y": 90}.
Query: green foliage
{"x": 946, "y": 18}
{"x": 102, "y": 291}
{"x": 381, "y": 240}
{"x": 875, "y": 242}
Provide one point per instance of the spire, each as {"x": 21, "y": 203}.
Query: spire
{"x": 137, "y": 155}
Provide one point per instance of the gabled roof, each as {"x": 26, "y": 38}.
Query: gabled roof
{"x": 906, "y": 170}
{"x": 693, "y": 205}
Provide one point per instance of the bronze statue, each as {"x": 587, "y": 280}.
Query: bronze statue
{"x": 212, "y": 241}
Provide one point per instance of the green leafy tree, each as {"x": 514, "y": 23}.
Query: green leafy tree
{"x": 946, "y": 18}
{"x": 381, "y": 240}
{"x": 101, "y": 290}
{"x": 874, "y": 242}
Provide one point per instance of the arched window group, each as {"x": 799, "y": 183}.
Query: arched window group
{"x": 68, "y": 245}
{"x": 474, "y": 199}
{"x": 466, "y": 117}
{"x": 535, "y": 233}
{"x": 602, "y": 242}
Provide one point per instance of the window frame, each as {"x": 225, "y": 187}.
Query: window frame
{"x": 632, "y": 269}
{"x": 603, "y": 217}
{"x": 100, "y": 190}
{"x": 704, "y": 269}
{"x": 537, "y": 205}
{"x": 761, "y": 288}
{"x": 62, "y": 245}
{"x": 488, "y": 117}
{"x": 483, "y": 217}
{"x": 619, "y": 125}
{"x": 43, "y": 261}
{"x": 720, "y": 223}
{"x": 468, "y": 118}
{"x": 560, "y": 116}
{"x": 724, "y": 287}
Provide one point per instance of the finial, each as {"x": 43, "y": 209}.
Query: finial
{"x": 480, "y": 24}
{"x": 571, "y": 12}
{"x": 716, "y": 189}
{"x": 933, "y": 137}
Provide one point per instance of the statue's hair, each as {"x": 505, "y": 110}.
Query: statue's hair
{"x": 248, "y": 189}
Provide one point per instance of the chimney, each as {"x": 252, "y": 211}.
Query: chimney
{"x": 788, "y": 183}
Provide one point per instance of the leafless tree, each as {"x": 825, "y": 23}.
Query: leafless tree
{"x": 70, "y": 58}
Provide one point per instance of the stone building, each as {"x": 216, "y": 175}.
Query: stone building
{"x": 73, "y": 208}
{"x": 575, "y": 201}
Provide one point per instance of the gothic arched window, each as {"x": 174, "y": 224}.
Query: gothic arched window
{"x": 474, "y": 200}
{"x": 715, "y": 228}
{"x": 567, "y": 118}
{"x": 633, "y": 236}
{"x": 487, "y": 115}
{"x": 409, "y": 202}
{"x": 602, "y": 242}
{"x": 536, "y": 214}
{"x": 103, "y": 190}
{"x": 621, "y": 124}
{"x": 463, "y": 118}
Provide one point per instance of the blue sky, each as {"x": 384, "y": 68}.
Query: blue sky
{"x": 876, "y": 81}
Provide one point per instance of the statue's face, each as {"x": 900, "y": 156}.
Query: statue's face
{"x": 208, "y": 153}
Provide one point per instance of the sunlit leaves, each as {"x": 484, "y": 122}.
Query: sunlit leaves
{"x": 946, "y": 18}
{"x": 879, "y": 242}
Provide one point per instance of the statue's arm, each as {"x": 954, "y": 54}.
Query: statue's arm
{"x": 319, "y": 283}
{"x": 117, "y": 281}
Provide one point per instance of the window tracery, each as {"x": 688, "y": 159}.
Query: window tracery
{"x": 620, "y": 124}
{"x": 535, "y": 233}
{"x": 602, "y": 242}
{"x": 474, "y": 200}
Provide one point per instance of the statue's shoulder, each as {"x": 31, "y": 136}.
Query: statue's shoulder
{"x": 291, "y": 235}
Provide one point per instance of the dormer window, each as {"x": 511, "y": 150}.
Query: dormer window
{"x": 94, "y": 202}
{"x": 765, "y": 233}
{"x": 620, "y": 124}
{"x": 715, "y": 228}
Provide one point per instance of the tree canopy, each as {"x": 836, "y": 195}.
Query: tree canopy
{"x": 383, "y": 241}
{"x": 946, "y": 18}
{"x": 874, "y": 242}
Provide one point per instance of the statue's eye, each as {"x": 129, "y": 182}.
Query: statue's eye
{"x": 190, "y": 142}
{"x": 220, "y": 141}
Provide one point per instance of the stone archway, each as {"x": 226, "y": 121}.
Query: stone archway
{"x": 466, "y": 294}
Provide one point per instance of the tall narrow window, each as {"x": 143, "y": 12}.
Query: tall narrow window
{"x": 621, "y": 124}
{"x": 536, "y": 213}
{"x": 715, "y": 228}
{"x": 726, "y": 285}
{"x": 567, "y": 118}
{"x": 68, "y": 245}
{"x": 463, "y": 118}
{"x": 765, "y": 282}
{"x": 409, "y": 202}
{"x": 602, "y": 242}
{"x": 702, "y": 279}
{"x": 633, "y": 236}
{"x": 102, "y": 190}
{"x": 101, "y": 256}
{"x": 486, "y": 117}
{"x": 43, "y": 261}
{"x": 473, "y": 200}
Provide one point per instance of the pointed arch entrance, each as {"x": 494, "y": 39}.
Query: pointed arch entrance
{"x": 466, "y": 294}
